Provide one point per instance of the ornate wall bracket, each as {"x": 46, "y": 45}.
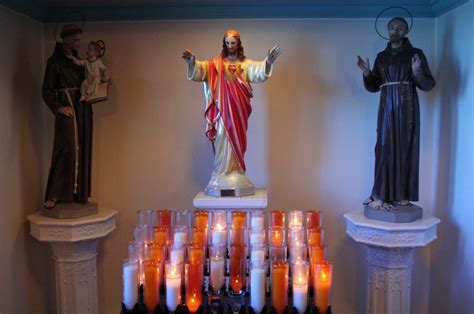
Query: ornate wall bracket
{"x": 390, "y": 252}
{"x": 74, "y": 251}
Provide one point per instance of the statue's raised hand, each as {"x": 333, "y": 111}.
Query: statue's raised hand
{"x": 189, "y": 57}
{"x": 273, "y": 54}
{"x": 363, "y": 65}
{"x": 416, "y": 64}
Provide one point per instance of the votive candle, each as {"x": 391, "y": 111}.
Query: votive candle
{"x": 277, "y": 219}
{"x": 277, "y": 235}
{"x": 152, "y": 284}
{"x": 193, "y": 284}
{"x": 130, "y": 283}
{"x": 257, "y": 236}
{"x": 322, "y": 285}
{"x": 295, "y": 219}
{"x": 201, "y": 219}
{"x": 300, "y": 279}
{"x": 239, "y": 219}
{"x": 219, "y": 235}
{"x": 237, "y": 268}
{"x": 217, "y": 267}
{"x": 279, "y": 275}
{"x": 313, "y": 218}
{"x": 315, "y": 236}
{"x": 257, "y": 219}
{"x": 173, "y": 285}
{"x": 258, "y": 276}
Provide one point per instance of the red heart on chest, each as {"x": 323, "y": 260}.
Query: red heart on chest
{"x": 232, "y": 69}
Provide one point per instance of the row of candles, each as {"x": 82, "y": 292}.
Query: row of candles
{"x": 176, "y": 251}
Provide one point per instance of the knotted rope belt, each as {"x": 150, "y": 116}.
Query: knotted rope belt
{"x": 76, "y": 136}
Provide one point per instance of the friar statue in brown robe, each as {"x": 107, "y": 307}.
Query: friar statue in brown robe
{"x": 398, "y": 72}
{"x": 70, "y": 173}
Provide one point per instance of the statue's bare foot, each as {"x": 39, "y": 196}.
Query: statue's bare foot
{"x": 49, "y": 204}
{"x": 376, "y": 204}
{"x": 404, "y": 203}
{"x": 368, "y": 200}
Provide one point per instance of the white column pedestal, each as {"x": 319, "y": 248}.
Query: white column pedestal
{"x": 74, "y": 249}
{"x": 390, "y": 252}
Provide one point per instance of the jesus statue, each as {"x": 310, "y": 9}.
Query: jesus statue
{"x": 227, "y": 92}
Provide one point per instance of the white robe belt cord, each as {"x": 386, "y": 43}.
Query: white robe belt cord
{"x": 395, "y": 83}
{"x": 76, "y": 136}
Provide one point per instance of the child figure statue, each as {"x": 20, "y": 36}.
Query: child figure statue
{"x": 96, "y": 82}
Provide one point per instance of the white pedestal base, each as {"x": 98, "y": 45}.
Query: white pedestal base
{"x": 74, "y": 248}
{"x": 259, "y": 200}
{"x": 390, "y": 252}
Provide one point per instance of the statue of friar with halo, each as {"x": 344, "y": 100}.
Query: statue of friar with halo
{"x": 398, "y": 72}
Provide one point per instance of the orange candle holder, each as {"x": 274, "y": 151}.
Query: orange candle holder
{"x": 322, "y": 286}
{"x": 155, "y": 251}
{"x": 193, "y": 283}
{"x": 151, "y": 292}
{"x": 313, "y": 218}
{"x": 238, "y": 260}
{"x": 201, "y": 219}
{"x": 277, "y": 236}
{"x": 163, "y": 218}
{"x": 196, "y": 253}
{"x": 161, "y": 234}
{"x": 277, "y": 219}
{"x": 315, "y": 236}
{"x": 238, "y": 236}
{"x": 199, "y": 236}
{"x": 317, "y": 254}
{"x": 279, "y": 278}
{"x": 239, "y": 219}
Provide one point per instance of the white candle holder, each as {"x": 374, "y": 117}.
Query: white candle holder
{"x": 130, "y": 283}
{"x": 258, "y": 276}
{"x": 217, "y": 259}
{"x": 295, "y": 219}
{"x": 257, "y": 236}
{"x": 300, "y": 281}
{"x": 298, "y": 253}
{"x": 146, "y": 217}
{"x": 257, "y": 219}
{"x": 173, "y": 272}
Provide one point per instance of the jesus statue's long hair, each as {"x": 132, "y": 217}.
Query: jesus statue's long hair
{"x": 240, "y": 48}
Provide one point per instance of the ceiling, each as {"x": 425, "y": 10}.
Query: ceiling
{"x": 113, "y": 10}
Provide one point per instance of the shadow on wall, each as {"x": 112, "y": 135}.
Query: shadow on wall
{"x": 28, "y": 123}
{"x": 447, "y": 248}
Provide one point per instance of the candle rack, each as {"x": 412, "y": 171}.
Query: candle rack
{"x": 237, "y": 248}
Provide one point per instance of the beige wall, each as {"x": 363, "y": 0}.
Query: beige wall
{"x": 311, "y": 133}
{"x": 24, "y": 262}
{"x": 452, "y": 272}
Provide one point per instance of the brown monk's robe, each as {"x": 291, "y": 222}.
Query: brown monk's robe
{"x": 61, "y": 74}
{"x": 397, "y": 149}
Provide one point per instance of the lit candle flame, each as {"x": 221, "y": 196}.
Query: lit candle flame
{"x": 323, "y": 275}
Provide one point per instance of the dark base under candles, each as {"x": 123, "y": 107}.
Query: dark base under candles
{"x": 314, "y": 310}
{"x": 216, "y": 306}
